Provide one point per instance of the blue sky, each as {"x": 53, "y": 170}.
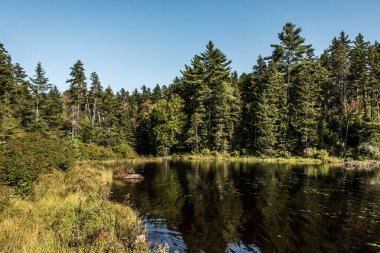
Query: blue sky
{"x": 131, "y": 43}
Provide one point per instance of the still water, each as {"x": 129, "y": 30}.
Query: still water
{"x": 203, "y": 206}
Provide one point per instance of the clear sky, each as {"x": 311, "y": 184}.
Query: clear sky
{"x": 131, "y": 43}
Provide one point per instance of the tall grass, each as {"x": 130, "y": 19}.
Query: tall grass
{"x": 296, "y": 160}
{"x": 69, "y": 212}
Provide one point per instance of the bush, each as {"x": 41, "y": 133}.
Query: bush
{"x": 23, "y": 159}
{"x": 124, "y": 150}
{"x": 91, "y": 151}
{"x": 321, "y": 154}
{"x": 215, "y": 153}
{"x": 206, "y": 152}
{"x": 244, "y": 152}
{"x": 235, "y": 153}
{"x": 315, "y": 153}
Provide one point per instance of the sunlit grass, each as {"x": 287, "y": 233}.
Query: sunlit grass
{"x": 69, "y": 212}
{"x": 298, "y": 160}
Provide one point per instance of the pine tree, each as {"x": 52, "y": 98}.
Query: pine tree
{"x": 291, "y": 50}
{"x": 108, "y": 135}
{"x": 268, "y": 109}
{"x": 8, "y": 121}
{"x": 23, "y": 103}
{"x": 124, "y": 115}
{"x": 6, "y": 73}
{"x": 195, "y": 93}
{"x": 339, "y": 67}
{"x": 39, "y": 86}
{"x": 374, "y": 80}
{"x": 245, "y": 127}
{"x": 218, "y": 105}
{"x": 78, "y": 99}
{"x": 305, "y": 109}
{"x": 95, "y": 95}
{"x": 53, "y": 109}
{"x": 156, "y": 94}
{"x": 359, "y": 74}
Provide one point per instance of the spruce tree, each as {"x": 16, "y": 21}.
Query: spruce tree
{"x": 219, "y": 104}
{"x": 23, "y": 103}
{"x": 78, "y": 99}
{"x": 39, "y": 86}
{"x": 53, "y": 109}
{"x": 305, "y": 109}
{"x": 359, "y": 74}
{"x": 339, "y": 67}
{"x": 291, "y": 50}
{"x": 8, "y": 121}
{"x": 374, "y": 80}
{"x": 95, "y": 95}
{"x": 156, "y": 94}
{"x": 195, "y": 94}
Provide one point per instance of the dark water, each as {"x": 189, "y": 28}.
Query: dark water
{"x": 251, "y": 207}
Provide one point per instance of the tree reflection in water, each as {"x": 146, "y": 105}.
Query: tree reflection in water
{"x": 253, "y": 207}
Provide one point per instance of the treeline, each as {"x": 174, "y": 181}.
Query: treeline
{"x": 293, "y": 103}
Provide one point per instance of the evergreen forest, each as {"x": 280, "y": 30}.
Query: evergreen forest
{"x": 292, "y": 103}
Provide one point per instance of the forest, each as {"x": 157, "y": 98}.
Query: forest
{"x": 293, "y": 103}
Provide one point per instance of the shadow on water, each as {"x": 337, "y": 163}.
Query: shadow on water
{"x": 203, "y": 206}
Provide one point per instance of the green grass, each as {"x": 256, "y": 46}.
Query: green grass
{"x": 219, "y": 157}
{"x": 298, "y": 160}
{"x": 69, "y": 212}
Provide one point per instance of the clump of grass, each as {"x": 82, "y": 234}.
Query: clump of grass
{"x": 69, "y": 212}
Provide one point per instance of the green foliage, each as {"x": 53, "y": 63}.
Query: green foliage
{"x": 315, "y": 153}
{"x": 24, "y": 159}
{"x": 124, "y": 150}
{"x": 206, "y": 152}
{"x": 292, "y": 101}
{"x": 166, "y": 121}
{"x": 91, "y": 151}
{"x": 236, "y": 153}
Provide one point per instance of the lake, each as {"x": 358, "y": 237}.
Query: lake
{"x": 218, "y": 206}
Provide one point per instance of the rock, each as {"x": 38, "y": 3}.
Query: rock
{"x": 130, "y": 171}
{"x": 134, "y": 176}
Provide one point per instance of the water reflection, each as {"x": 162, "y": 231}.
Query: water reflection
{"x": 245, "y": 207}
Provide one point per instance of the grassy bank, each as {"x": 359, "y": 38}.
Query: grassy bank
{"x": 299, "y": 160}
{"x": 69, "y": 212}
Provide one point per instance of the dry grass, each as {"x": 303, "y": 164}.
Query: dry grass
{"x": 69, "y": 212}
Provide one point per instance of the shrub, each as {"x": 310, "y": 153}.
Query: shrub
{"x": 124, "y": 150}
{"x": 244, "y": 152}
{"x": 23, "y": 159}
{"x": 91, "y": 151}
{"x": 321, "y": 154}
{"x": 205, "y": 151}
{"x": 215, "y": 153}
{"x": 309, "y": 152}
{"x": 236, "y": 153}
{"x": 315, "y": 153}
